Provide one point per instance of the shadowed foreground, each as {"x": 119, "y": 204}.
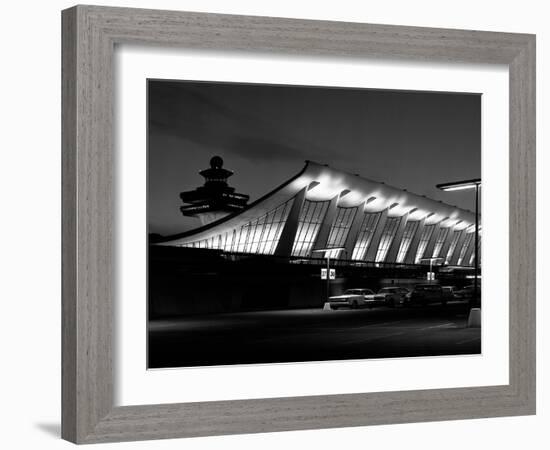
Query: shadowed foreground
{"x": 311, "y": 335}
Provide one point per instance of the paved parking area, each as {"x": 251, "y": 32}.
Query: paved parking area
{"x": 311, "y": 335}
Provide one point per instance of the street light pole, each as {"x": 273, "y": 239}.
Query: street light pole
{"x": 431, "y": 259}
{"x": 327, "y": 256}
{"x": 470, "y": 184}
{"x": 476, "y": 251}
{"x": 328, "y": 276}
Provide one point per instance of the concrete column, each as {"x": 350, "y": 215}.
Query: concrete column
{"x": 375, "y": 241}
{"x": 324, "y": 231}
{"x": 391, "y": 256}
{"x": 431, "y": 243}
{"x": 354, "y": 231}
{"x": 469, "y": 250}
{"x": 286, "y": 240}
{"x": 456, "y": 253}
{"x": 411, "y": 252}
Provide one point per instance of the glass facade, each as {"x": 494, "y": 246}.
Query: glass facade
{"x": 454, "y": 242}
{"x": 258, "y": 236}
{"x": 464, "y": 248}
{"x": 408, "y": 235}
{"x": 366, "y": 230}
{"x": 423, "y": 243}
{"x": 439, "y": 241}
{"x": 309, "y": 223}
{"x": 262, "y": 235}
{"x": 387, "y": 238}
{"x": 340, "y": 230}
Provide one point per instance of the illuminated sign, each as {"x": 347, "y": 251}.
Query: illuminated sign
{"x": 331, "y": 274}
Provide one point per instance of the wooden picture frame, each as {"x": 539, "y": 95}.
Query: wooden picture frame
{"x": 89, "y": 37}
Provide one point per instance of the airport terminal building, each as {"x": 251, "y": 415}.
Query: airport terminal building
{"x": 323, "y": 212}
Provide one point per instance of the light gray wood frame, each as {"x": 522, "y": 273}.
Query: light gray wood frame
{"x": 89, "y": 36}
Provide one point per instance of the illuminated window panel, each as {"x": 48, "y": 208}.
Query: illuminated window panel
{"x": 387, "y": 238}
{"x": 340, "y": 230}
{"x": 309, "y": 223}
{"x": 440, "y": 240}
{"x": 423, "y": 243}
{"x": 464, "y": 248}
{"x": 264, "y": 233}
{"x": 366, "y": 230}
{"x": 258, "y": 236}
{"x": 408, "y": 234}
{"x": 240, "y": 239}
{"x": 452, "y": 247}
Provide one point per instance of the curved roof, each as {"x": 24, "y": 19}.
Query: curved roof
{"x": 325, "y": 183}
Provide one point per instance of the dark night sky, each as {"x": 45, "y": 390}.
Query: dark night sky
{"x": 412, "y": 140}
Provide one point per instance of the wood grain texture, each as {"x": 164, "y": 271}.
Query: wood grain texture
{"x": 89, "y": 36}
{"x": 68, "y": 224}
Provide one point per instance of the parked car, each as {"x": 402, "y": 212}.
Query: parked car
{"x": 352, "y": 298}
{"x": 467, "y": 293}
{"x": 449, "y": 289}
{"x": 375, "y": 299}
{"x": 394, "y": 296}
{"x": 449, "y": 292}
{"x": 424, "y": 294}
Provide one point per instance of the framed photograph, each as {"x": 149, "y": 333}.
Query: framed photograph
{"x": 277, "y": 224}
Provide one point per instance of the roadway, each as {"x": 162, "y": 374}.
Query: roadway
{"x": 311, "y": 335}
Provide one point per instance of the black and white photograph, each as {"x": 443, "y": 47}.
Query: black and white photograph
{"x": 275, "y": 225}
{"x": 295, "y": 224}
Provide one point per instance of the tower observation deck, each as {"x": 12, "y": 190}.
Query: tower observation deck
{"x": 215, "y": 199}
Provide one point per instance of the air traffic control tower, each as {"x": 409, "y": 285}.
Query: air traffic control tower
{"x": 215, "y": 199}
